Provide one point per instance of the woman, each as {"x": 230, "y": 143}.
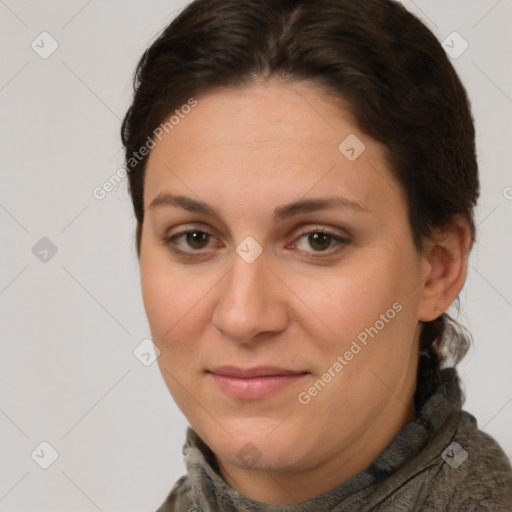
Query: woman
{"x": 303, "y": 176}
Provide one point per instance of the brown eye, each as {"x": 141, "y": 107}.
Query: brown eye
{"x": 191, "y": 241}
{"x": 197, "y": 239}
{"x": 319, "y": 241}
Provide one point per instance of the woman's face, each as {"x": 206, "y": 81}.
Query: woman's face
{"x": 280, "y": 281}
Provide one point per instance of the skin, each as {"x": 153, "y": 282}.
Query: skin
{"x": 299, "y": 306}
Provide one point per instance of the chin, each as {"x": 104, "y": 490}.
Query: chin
{"x": 257, "y": 443}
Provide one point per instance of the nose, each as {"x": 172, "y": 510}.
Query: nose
{"x": 251, "y": 302}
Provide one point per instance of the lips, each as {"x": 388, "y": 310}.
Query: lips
{"x": 253, "y": 383}
{"x": 258, "y": 371}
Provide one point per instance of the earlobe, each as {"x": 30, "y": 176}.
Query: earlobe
{"x": 445, "y": 261}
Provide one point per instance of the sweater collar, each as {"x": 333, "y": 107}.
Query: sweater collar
{"x": 211, "y": 493}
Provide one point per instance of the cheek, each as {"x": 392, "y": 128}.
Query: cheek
{"x": 352, "y": 297}
{"x": 368, "y": 317}
{"x": 176, "y": 316}
{"x": 171, "y": 297}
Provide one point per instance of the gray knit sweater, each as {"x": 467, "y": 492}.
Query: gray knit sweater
{"x": 439, "y": 462}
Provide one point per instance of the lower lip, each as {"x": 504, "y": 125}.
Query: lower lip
{"x": 254, "y": 388}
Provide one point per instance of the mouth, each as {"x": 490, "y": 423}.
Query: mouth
{"x": 253, "y": 383}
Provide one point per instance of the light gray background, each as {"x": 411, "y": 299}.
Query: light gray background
{"x": 69, "y": 325}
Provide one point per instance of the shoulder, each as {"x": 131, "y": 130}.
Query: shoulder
{"x": 474, "y": 471}
{"x": 180, "y": 497}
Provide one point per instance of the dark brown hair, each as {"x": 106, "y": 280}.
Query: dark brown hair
{"x": 374, "y": 54}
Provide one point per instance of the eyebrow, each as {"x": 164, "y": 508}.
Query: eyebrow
{"x": 280, "y": 213}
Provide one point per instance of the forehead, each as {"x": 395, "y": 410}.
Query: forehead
{"x": 271, "y": 140}
{"x": 268, "y": 114}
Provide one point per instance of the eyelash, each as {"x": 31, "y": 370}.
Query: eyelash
{"x": 192, "y": 254}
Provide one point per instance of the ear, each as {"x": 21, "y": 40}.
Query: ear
{"x": 445, "y": 261}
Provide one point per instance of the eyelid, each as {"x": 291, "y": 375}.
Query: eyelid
{"x": 189, "y": 229}
{"x": 323, "y": 229}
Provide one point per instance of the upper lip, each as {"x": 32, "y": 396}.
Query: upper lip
{"x": 257, "y": 371}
